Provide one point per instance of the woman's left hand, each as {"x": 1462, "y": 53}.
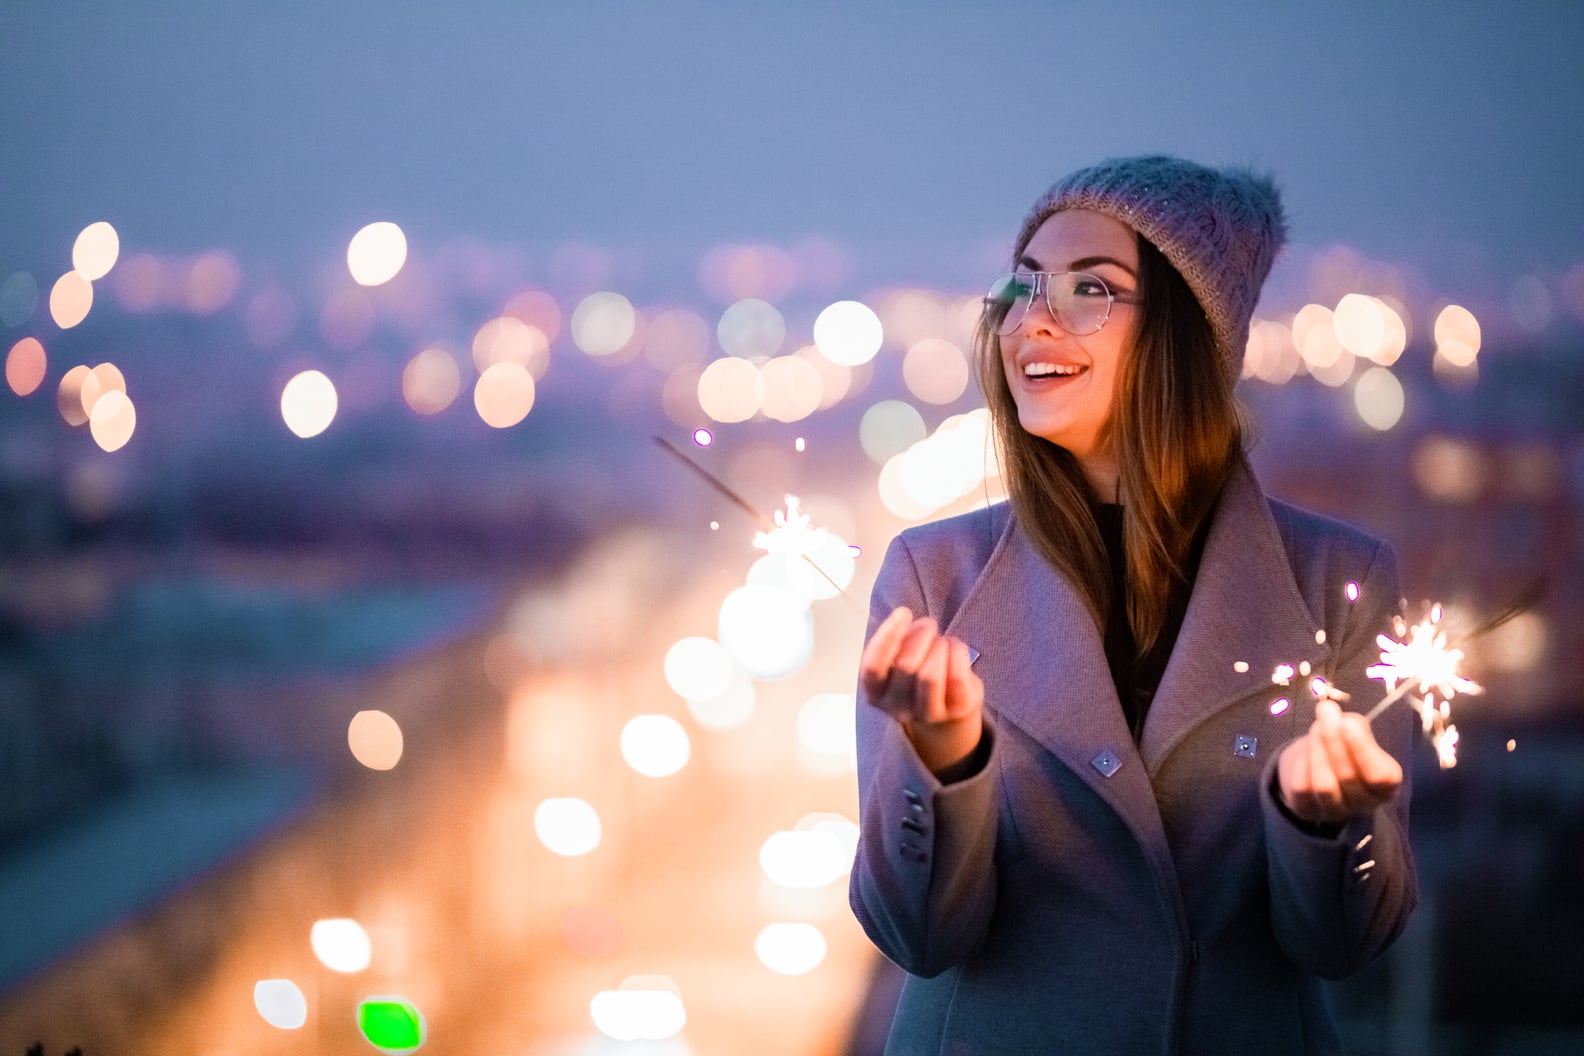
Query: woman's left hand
{"x": 1337, "y": 771}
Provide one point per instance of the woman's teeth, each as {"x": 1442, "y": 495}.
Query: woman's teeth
{"x": 1045, "y": 370}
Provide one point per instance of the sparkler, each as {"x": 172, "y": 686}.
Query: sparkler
{"x": 788, "y": 533}
{"x": 1420, "y": 656}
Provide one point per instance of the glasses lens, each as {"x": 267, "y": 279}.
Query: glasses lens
{"x": 1008, "y": 301}
{"x": 1081, "y": 301}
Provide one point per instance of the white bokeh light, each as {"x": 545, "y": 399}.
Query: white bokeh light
{"x": 281, "y": 1003}
{"x": 603, "y": 323}
{"x": 698, "y": 668}
{"x": 802, "y": 859}
{"x": 655, "y": 745}
{"x": 644, "y": 1008}
{"x": 308, "y": 403}
{"x": 848, "y": 333}
{"x": 826, "y": 723}
{"x": 790, "y": 949}
{"x": 341, "y": 944}
{"x": 567, "y": 826}
{"x": 768, "y": 630}
{"x": 376, "y": 253}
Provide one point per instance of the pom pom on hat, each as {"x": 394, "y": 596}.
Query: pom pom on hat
{"x": 1220, "y": 228}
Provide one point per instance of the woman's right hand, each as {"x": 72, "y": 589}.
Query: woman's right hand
{"x": 924, "y": 680}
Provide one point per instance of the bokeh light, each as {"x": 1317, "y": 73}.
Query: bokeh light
{"x": 793, "y": 388}
{"x": 507, "y": 339}
{"x": 703, "y": 437}
{"x": 76, "y": 384}
{"x": 309, "y": 403}
{"x": 113, "y": 420}
{"x": 341, "y": 944}
{"x": 811, "y": 858}
{"x": 140, "y": 282}
{"x": 644, "y": 1008}
{"x": 731, "y": 389}
{"x": 848, "y": 333}
{"x": 935, "y": 370}
{"x": 655, "y": 745}
{"x": 26, "y": 365}
{"x": 95, "y": 251}
{"x": 70, "y": 300}
{"x": 836, "y": 381}
{"x": 1271, "y": 355}
{"x": 376, "y": 253}
{"x": 567, "y": 826}
{"x": 19, "y": 295}
{"x": 375, "y": 739}
{"x": 281, "y": 1003}
{"x": 698, "y": 668}
{"x": 768, "y": 630}
{"x": 826, "y": 723}
{"x": 603, "y": 323}
{"x": 1517, "y": 645}
{"x": 751, "y": 329}
{"x": 674, "y": 338}
{"x": 909, "y": 317}
{"x": 431, "y": 381}
{"x": 888, "y": 428}
{"x": 1378, "y": 398}
{"x": 1457, "y": 330}
{"x": 211, "y": 282}
{"x": 790, "y": 948}
{"x": 728, "y": 709}
{"x": 503, "y": 395}
{"x": 393, "y": 1025}
{"x": 1449, "y": 470}
{"x": 538, "y": 309}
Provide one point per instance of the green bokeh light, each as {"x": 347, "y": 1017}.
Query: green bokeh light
{"x": 391, "y": 1024}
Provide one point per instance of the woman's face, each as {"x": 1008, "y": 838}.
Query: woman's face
{"x": 1063, "y": 383}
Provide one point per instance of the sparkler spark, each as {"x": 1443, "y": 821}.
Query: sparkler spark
{"x": 788, "y": 533}
{"x": 1423, "y": 658}
{"x": 791, "y": 534}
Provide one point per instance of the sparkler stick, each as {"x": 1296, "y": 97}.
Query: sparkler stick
{"x": 769, "y": 527}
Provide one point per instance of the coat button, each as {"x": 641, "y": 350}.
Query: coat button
{"x": 1107, "y": 762}
{"x": 915, "y": 854}
{"x": 1245, "y": 746}
{"x": 912, "y": 826}
{"x": 913, "y": 797}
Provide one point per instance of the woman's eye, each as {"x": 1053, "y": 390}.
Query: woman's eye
{"x": 1086, "y": 287}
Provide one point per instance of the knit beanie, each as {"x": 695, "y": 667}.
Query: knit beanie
{"x": 1220, "y": 228}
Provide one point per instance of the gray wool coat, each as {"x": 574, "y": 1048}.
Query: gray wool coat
{"x": 1083, "y": 893}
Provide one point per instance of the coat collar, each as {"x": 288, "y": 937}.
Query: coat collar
{"x": 1043, "y": 662}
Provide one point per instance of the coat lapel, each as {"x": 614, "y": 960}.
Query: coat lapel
{"x": 1043, "y": 664}
{"x": 1245, "y": 607}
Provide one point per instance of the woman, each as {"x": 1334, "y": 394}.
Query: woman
{"x": 1091, "y": 822}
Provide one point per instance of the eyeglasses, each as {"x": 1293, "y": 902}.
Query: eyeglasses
{"x": 1079, "y": 301}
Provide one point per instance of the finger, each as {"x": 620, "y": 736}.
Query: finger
{"x": 915, "y": 647}
{"x": 1353, "y": 798}
{"x": 1380, "y": 773}
{"x": 964, "y": 690}
{"x": 929, "y": 691}
{"x": 880, "y": 652}
{"x": 1292, "y": 773}
{"x": 1322, "y": 779}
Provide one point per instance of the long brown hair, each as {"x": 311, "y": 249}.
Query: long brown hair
{"x": 1176, "y": 432}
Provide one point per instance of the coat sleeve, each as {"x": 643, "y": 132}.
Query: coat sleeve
{"x": 1338, "y": 901}
{"x": 923, "y": 882}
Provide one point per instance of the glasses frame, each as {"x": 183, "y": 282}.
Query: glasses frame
{"x": 1042, "y": 287}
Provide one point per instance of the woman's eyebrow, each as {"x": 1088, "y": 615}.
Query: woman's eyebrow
{"x": 1080, "y": 264}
